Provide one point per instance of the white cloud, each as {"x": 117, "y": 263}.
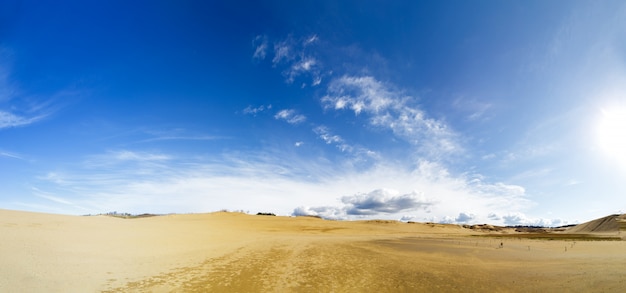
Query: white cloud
{"x": 436, "y": 195}
{"x": 139, "y": 182}
{"x": 529, "y": 153}
{"x": 499, "y": 188}
{"x": 274, "y": 181}
{"x": 283, "y": 51}
{"x": 112, "y": 158}
{"x": 50, "y": 198}
{"x": 255, "y": 110}
{"x": 488, "y": 156}
{"x": 293, "y": 56}
{"x": 360, "y": 153}
{"x": 290, "y": 115}
{"x": 361, "y": 94}
{"x": 182, "y": 137}
{"x": 55, "y": 199}
{"x": 330, "y": 213}
{"x": 7, "y": 90}
{"x": 329, "y": 138}
{"x": 520, "y": 219}
{"x": 391, "y": 109}
{"x": 23, "y": 111}
{"x": 445, "y": 220}
{"x": 298, "y": 143}
{"x": 9, "y": 120}
{"x": 316, "y": 80}
{"x": 10, "y": 155}
{"x": 310, "y": 40}
{"x": 306, "y": 65}
{"x": 260, "y": 44}
{"x": 136, "y": 156}
{"x": 472, "y": 108}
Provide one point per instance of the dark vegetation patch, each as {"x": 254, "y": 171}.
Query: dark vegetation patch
{"x": 265, "y": 214}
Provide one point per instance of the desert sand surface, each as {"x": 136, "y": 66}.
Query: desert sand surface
{"x": 234, "y": 252}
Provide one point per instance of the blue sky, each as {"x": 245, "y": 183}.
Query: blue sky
{"x": 503, "y": 112}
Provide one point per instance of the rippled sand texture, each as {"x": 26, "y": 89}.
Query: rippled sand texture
{"x": 231, "y": 252}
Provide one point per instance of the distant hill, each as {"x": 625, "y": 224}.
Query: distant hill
{"x": 609, "y": 224}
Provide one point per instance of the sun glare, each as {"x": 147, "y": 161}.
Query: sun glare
{"x": 612, "y": 133}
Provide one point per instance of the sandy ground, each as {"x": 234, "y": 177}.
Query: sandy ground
{"x": 230, "y": 252}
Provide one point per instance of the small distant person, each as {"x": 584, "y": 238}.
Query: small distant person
{"x": 501, "y": 245}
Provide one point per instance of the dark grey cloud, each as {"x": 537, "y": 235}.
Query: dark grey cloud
{"x": 464, "y": 217}
{"x": 379, "y": 201}
{"x": 512, "y": 220}
{"x": 494, "y": 217}
{"x": 383, "y": 201}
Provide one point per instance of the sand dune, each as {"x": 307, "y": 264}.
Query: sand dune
{"x": 231, "y": 252}
{"x": 609, "y": 224}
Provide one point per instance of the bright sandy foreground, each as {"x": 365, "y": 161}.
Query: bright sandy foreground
{"x": 231, "y": 252}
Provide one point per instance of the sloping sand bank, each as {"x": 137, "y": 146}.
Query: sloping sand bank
{"x": 609, "y": 224}
{"x": 230, "y": 252}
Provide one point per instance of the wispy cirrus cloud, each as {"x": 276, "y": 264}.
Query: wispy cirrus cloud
{"x": 361, "y": 94}
{"x": 49, "y": 197}
{"x": 306, "y": 64}
{"x": 10, "y": 120}
{"x": 473, "y": 109}
{"x": 290, "y": 116}
{"x": 16, "y": 110}
{"x": 137, "y": 181}
{"x": 52, "y": 199}
{"x": 10, "y": 155}
{"x": 18, "y": 115}
{"x": 329, "y": 138}
{"x": 260, "y": 45}
{"x": 311, "y": 40}
{"x": 255, "y": 110}
{"x": 126, "y": 155}
{"x": 295, "y": 56}
{"x": 284, "y": 51}
{"x": 390, "y": 108}
{"x": 325, "y": 134}
{"x": 385, "y": 105}
{"x": 144, "y": 163}
{"x": 156, "y": 134}
{"x": 183, "y": 137}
